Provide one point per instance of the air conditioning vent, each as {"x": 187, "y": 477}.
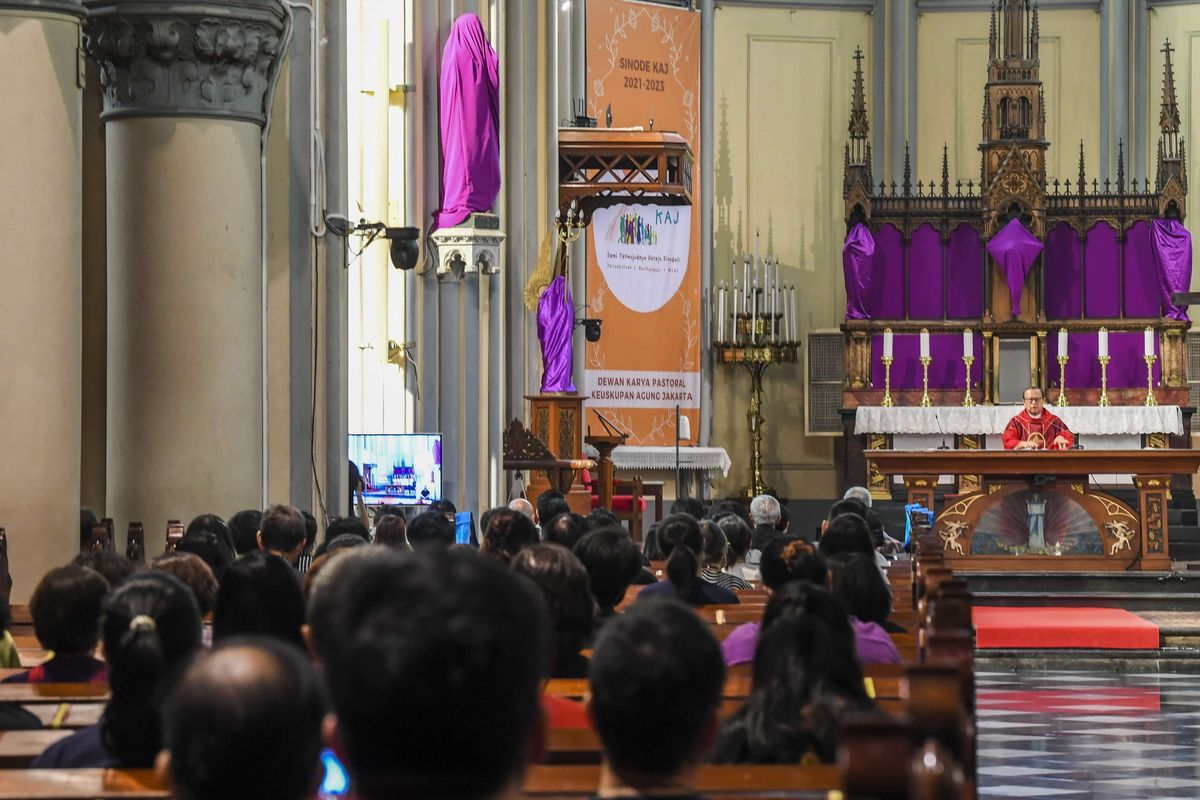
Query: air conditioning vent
{"x": 1193, "y": 368}
{"x": 823, "y": 383}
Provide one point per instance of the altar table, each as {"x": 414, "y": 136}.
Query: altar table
{"x": 1094, "y": 530}
{"x": 987, "y": 420}
{"x": 692, "y": 461}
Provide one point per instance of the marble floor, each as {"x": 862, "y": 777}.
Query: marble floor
{"x": 1088, "y": 734}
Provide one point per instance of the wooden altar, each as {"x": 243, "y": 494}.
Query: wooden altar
{"x": 1047, "y": 494}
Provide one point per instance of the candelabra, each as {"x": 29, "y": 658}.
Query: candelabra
{"x": 1062, "y": 379}
{"x": 1104, "y": 381}
{"x": 968, "y": 401}
{"x": 570, "y": 225}
{"x": 887, "y": 382}
{"x": 756, "y": 346}
{"x": 925, "y": 401}
{"x": 1150, "y": 359}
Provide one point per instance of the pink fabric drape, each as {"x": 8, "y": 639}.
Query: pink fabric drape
{"x": 1172, "y": 247}
{"x": 1015, "y": 249}
{"x": 469, "y": 99}
{"x": 857, "y": 255}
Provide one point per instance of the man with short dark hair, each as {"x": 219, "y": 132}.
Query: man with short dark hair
{"x": 430, "y": 529}
{"x": 1035, "y": 428}
{"x": 282, "y": 533}
{"x": 655, "y": 708}
{"x": 244, "y": 527}
{"x": 223, "y": 724}
{"x": 434, "y": 661}
{"x": 565, "y": 529}
{"x": 550, "y": 504}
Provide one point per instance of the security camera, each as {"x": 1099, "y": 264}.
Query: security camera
{"x": 340, "y": 225}
{"x": 404, "y": 249}
{"x": 591, "y": 329}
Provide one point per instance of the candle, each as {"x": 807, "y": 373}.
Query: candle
{"x": 754, "y": 312}
{"x": 1149, "y": 337}
{"x": 968, "y": 344}
{"x": 924, "y": 343}
{"x": 757, "y": 256}
{"x": 721, "y": 312}
{"x": 1104, "y": 341}
{"x": 792, "y": 309}
{"x": 745, "y": 282}
{"x": 887, "y": 342}
{"x": 1062, "y": 341}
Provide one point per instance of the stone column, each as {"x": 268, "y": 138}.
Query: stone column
{"x": 186, "y": 90}
{"x": 40, "y": 289}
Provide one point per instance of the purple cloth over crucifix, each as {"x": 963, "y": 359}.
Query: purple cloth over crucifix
{"x": 857, "y": 256}
{"x": 1172, "y": 247}
{"x": 555, "y": 324}
{"x": 469, "y": 99}
{"x": 1015, "y": 249}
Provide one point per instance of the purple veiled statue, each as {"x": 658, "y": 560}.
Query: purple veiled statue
{"x": 1172, "y": 247}
{"x": 1015, "y": 249}
{"x": 857, "y": 253}
{"x": 469, "y": 99}
{"x": 555, "y": 325}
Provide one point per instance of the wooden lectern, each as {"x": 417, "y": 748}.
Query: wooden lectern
{"x": 1121, "y": 537}
{"x": 605, "y": 443}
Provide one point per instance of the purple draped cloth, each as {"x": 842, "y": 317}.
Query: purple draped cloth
{"x": 857, "y": 256}
{"x": 1015, "y": 249}
{"x": 1172, "y": 247}
{"x": 555, "y": 323}
{"x": 470, "y": 117}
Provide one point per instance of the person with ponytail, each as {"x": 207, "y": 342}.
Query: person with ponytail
{"x": 150, "y": 626}
{"x": 805, "y": 678}
{"x": 784, "y": 560}
{"x": 682, "y": 543}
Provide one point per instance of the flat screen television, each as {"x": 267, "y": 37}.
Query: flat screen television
{"x": 399, "y": 469}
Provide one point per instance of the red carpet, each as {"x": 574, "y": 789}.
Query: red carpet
{"x": 1063, "y": 628}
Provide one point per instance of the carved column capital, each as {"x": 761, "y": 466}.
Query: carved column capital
{"x": 211, "y": 58}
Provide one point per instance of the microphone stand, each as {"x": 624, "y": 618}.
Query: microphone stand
{"x": 678, "y": 472}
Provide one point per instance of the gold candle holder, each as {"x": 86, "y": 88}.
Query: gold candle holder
{"x": 1104, "y": 381}
{"x": 925, "y": 401}
{"x": 887, "y": 382}
{"x": 1150, "y": 359}
{"x": 1062, "y": 379}
{"x": 968, "y": 401}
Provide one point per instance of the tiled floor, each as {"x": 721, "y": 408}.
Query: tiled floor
{"x": 1088, "y": 735}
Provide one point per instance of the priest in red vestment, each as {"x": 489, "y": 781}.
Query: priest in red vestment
{"x": 1035, "y": 428}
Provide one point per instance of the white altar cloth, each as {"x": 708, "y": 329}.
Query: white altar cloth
{"x": 695, "y": 459}
{"x": 992, "y": 419}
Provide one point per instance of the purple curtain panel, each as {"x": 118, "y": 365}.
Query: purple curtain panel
{"x": 1101, "y": 267}
{"x": 887, "y": 274}
{"x": 1061, "y": 262}
{"x": 965, "y": 294}
{"x": 1142, "y": 295}
{"x": 1126, "y": 367}
{"x": 925, "y": 253}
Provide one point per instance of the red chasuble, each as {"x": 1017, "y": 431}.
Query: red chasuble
{"x": 1048, "y": 427}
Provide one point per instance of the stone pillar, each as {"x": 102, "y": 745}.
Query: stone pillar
{"x": 186, "y": 90}
{"x": 40, "y": 289}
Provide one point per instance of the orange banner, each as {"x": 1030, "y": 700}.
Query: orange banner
{"x": 643, "y": 261}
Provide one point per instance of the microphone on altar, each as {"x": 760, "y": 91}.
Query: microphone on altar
{"x": 937, "y": 421}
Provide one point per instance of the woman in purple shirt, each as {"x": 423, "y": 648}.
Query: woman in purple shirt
{"x": 854, "y": 579}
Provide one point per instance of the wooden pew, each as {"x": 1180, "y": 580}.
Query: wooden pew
{"x": 18, "y": 749}
{"x": 79, "y": 784}
{"x": 39, "y": 693}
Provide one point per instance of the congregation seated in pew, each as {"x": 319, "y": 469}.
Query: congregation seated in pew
{"x": 682, "y": 540}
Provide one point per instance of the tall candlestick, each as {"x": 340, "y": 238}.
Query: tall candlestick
{"x": 757, "y": 256}
{"x": 968, "y": 344}
{"x": 887, "y": 342}
{"x": 745, "y": 283}
{"x": 1062, "y": 341}
{"x": 1149, "y": 341}
{"x": 1104, "y": 342}
{"x": 924, "y": 343}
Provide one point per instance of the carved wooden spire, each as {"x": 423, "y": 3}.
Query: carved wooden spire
{"x": 1034, "y": 35}
{"x": 945, "y": 169}
{"x": 858, "y": 150}
{"x": 859, "y": 125}
{"x": 1170, "y": 145}
{"x": 1082, "y": 172}
{"x": 907, "y": 172}
{"x": 1168, "y": 121}
{"x": 1121, "y": 166}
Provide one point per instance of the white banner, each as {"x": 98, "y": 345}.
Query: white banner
{"x": 622, "y": 388}
{"x": 643, "y": 252}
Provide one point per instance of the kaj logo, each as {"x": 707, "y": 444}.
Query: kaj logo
{"x": 642, "y": 251}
